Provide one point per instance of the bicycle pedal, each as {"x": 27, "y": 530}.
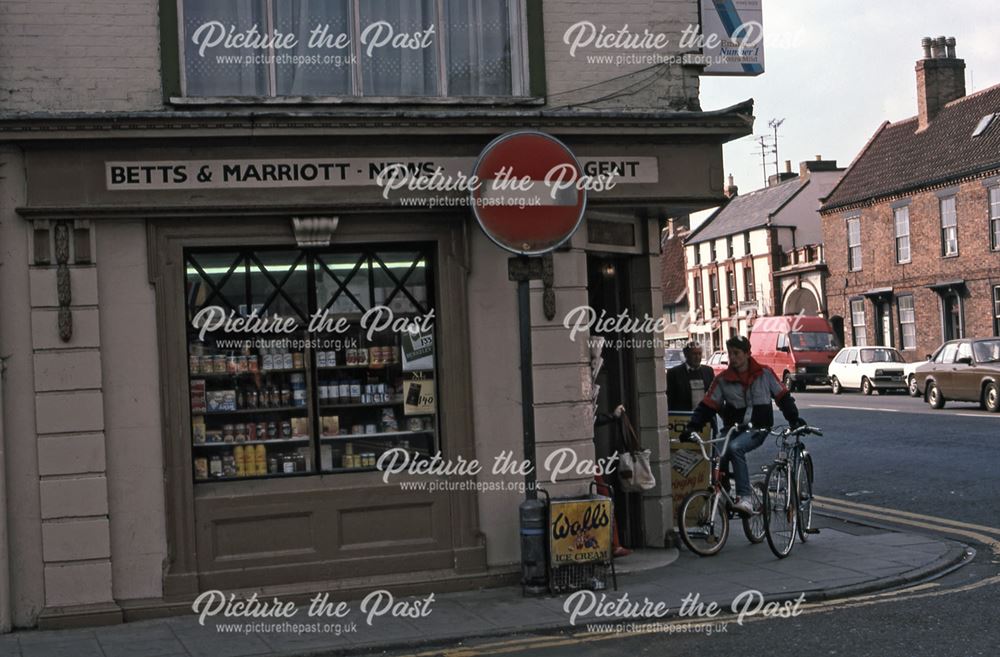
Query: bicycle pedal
{"x": 812, "y": 531}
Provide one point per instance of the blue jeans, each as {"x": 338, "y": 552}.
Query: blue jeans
{"x": 739, "y": 447}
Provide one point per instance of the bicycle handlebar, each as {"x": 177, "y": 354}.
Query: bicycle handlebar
{"x": 702, "y": 443}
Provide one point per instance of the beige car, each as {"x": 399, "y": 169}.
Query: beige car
{"x": 963, "y": 370}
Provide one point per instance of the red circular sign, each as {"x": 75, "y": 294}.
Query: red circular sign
{"x": 528, "y": 199}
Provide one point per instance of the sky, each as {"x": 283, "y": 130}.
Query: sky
{"x": 836, "y": 69}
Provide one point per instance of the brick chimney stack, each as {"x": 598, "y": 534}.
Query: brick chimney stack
{"x": 940, "y": 78}
{"x": 731, "y": 189}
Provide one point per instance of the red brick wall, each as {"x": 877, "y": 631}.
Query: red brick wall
{"x": 976, "y": 263}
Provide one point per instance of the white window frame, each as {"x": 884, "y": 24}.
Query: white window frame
{"x": 909, "y": 319}
{"x": 902, "y": 213}
{"x": 854, "y": 254}
{"x": 519, "y": 65}
{"x": 993, "y": 200}
{"x": 858, "y": 310}
{"x": 949, "y": 232}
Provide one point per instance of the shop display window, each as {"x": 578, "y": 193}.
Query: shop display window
{"x": 304, "y": 362}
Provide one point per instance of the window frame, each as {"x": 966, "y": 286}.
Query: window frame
{"x": 993, "y": 212}
{"x": 896, "y": 213}
{"x": 854, "y": 262}
{"x": 953, "y": 199}
{"x": 699, "y": 301}
{"x": 713, "y": 287}
{"x": 251, "y": 258}
{"x": 526, "y": 57}
{"x": 904, "y": 323}
{"x": 749, "y": 287}
{"x": 856, "y": 304}
{"x": 731, "y": 289}
{"x": 996, "y": 310}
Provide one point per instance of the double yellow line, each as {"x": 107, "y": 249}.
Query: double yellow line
{"x": 979, "y": 533}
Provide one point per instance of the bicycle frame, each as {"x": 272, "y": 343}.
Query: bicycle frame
{"x": 715, "y": 480}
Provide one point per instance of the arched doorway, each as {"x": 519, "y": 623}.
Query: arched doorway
{"x": 801, "y": 301}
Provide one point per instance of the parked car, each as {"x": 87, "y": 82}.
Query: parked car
{"x": 798, "y": 348}
{"x": 910, "y": 376}
{"x": 672, "y": 357}
{"x": 963, "y": 370}
{"x": 718, "y": 361}
{"x": 867, "y": 369}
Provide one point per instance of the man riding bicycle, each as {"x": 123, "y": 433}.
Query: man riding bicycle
{"x": 740, "y": 395}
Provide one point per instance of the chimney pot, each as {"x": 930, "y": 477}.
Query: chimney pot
{"x": 950, "y": 43}
{"x": 819, "y": 158}
{"x": 925, "y": 43}
{"x": 936, "y": 47}
{"x": 788, "y": 166}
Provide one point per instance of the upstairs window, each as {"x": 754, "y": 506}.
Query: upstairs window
{"x": 372, "y": 48}
{"x": 748, "y": 291}
{"x": 902, "y": 229}
{"x": 731, "y": 281}
{"x": 995, "y": 218}
{"x": 854, "y": 244}
{"x": 714, "y": 289}
{"x": 949, "y": 227}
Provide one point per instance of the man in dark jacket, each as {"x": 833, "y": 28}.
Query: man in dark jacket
{"x": 688, "y": 382}
{"x": 742, "y": 394}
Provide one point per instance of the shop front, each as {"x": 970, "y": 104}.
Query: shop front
{"x": 223, "y": 322}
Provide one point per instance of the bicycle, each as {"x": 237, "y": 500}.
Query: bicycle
{"x": 788, "y": 492}
{"x": 703, "y": 517}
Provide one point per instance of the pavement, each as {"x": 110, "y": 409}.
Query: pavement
{"x": 845, "y": 559}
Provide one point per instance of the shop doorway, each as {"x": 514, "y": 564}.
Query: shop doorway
{"x": 608, "y": 292}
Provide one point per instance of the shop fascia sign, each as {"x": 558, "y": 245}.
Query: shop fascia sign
{"x": 329, "y": 172}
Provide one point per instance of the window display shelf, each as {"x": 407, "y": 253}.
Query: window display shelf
{"x": 235, "y": 375}
{"x": 377, "y": 366}
{"x": 275, "y": 441}
{"x": 398, "y": 401}
{"x": 273, "y": 475}
{"x": 381, "y": 434}
{"x": 251, "y": 411}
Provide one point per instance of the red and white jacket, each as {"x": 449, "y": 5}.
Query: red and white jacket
{"x": 745, "y": 397}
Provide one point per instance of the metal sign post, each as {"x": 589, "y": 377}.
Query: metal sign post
{"x": 520, "y": 209}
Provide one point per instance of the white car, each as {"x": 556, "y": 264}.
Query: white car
{"x": 868, "y": 369}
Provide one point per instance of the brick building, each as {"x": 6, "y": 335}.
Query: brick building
{"x": 760, "y": 254}
{"x": 912, "y": 231}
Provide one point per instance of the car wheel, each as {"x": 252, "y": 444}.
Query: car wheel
{"x": 835, "y": 386}
{"x": 934, "y": 396}
{"x": 911, "y": 386}
{"x": 866, "y": 386}
{"x": 991, "y": 398}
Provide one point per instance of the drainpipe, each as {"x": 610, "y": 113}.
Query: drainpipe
{"x": 5, "y": 611}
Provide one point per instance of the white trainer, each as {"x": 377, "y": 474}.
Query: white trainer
{"x": 744, "y": 506}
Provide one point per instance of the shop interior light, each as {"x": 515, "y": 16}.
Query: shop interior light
{"x": 191, "y": 271}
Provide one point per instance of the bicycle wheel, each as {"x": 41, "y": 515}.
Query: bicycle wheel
{"x": 703, "y": 532}
{"x": 804, "y": 496}
{"x": 780, "y": 513}
{"x": 753, "y": 526}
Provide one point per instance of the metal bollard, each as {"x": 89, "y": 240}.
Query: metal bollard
{"x": 534, "y": 567}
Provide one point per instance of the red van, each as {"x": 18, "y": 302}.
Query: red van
{"x": 799, "y": 349}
